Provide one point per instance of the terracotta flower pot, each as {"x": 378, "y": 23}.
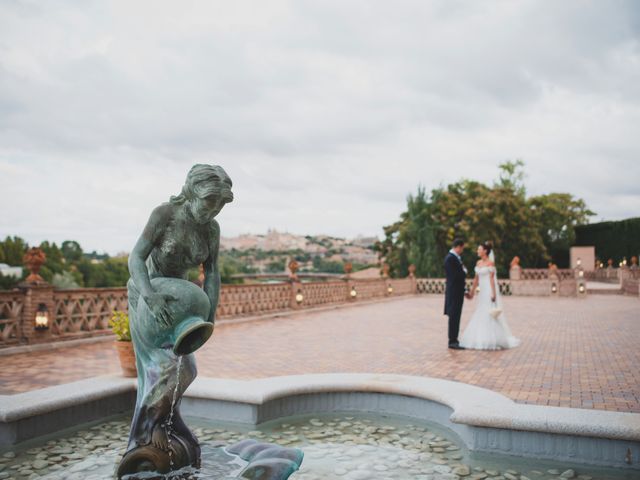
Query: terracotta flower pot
{"x": 127, "y": 358}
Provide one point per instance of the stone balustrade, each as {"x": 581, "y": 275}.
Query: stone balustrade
{"x": 85, "y": 312}
{"x": 11, "y": 304}
{"x": 564, "y": 282}
{"x": 80, "y": 312}
{"x": 437, "y": 286}
{"x": 631, "y": 286}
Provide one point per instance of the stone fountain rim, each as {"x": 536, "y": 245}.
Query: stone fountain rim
{"x": 470, "y": 405}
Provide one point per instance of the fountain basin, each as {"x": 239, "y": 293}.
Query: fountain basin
{"x": 336, "y": 446}
{"x": 485, "y": 421}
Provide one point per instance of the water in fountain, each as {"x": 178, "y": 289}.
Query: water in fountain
{"x": 336, "y": 447}
{"x": 169, "y": 424}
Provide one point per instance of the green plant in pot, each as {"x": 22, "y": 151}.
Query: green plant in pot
{"x": 119, "y": 324}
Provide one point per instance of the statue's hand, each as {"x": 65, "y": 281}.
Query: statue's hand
{"x": 159, "y": 305}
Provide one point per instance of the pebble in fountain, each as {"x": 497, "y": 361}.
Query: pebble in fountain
{"x": 170, "y": 318}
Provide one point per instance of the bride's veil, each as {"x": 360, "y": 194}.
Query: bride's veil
{"x": 492, "y": 257}
{"x": 501, "y": 318}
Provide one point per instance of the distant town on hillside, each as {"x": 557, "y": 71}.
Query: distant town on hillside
{"x": 69, "y": 266}
{"x": 270, "y": 252}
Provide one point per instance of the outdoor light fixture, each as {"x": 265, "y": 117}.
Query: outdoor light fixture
{"x": 353, "y": 292}
{"x": 581, "y": 288}
{"x": 578, "y": 262}
{"x": 42, "y": 317}
{"x": 581, "y": 273}
{"x": 554, "y": 288}
{"x": 299, "y": 297}
{"x": 389, "y": 289}
{"x": 601, "y": 265}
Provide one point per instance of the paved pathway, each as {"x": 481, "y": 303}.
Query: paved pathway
{"x": 575, "y": 353}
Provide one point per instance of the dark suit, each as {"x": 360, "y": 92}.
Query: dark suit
{"x": 454, "y": 294}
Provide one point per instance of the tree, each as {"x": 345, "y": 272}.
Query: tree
{"x": 64, "y": 280}
{"x": 55, "y": 263}
{"x": 8, "y": 282}
{"x": 501, "y": 213}
{"x": 392, "y": 250}
{"x": 12, "y": 250}
{"x": 479, "y": 213}
{"x": 557, "y": 215}
{"x": 276, "y": 266}
{"x": 512, "y": 176}
{"x": 71, "y": 251}
{"x": 412, "y": 239}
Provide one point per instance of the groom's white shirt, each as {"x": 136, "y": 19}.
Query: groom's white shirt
{"x": 459, "y": 259}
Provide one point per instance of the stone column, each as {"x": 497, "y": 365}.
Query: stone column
{"x": 297, "y": 296}
{"x": 36, "y": 294}
{"x": 624, "y": 273}
{"x": 515, "y": 272}
{"x": 351, "y": 287}
{"x": 412, "y": 278}
{"x": 554, "y": 283}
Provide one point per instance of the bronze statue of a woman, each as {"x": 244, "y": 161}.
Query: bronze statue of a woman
{"x": 171, "y": 317}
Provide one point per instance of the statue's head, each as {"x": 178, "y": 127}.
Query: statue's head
{"x": 206, "y": 190}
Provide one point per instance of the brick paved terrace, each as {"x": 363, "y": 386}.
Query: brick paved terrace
{"x": 575, "y": 352}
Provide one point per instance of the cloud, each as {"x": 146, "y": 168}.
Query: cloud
{"x": 325, "y": 114}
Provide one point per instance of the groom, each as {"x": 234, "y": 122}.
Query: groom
{"x": 454, "y": 293}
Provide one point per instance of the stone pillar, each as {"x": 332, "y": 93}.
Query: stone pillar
{"x": 348, "y": 268}
{"x": 624, "y": 273}
{"x": 36, "y": 294}
{"x": 554, "y": 283}
{"x": 385, "y": 270}
{"x": 515, "y": 270}
{"x": 297, "y": 296}
{"x": 293, "y": 270}
{"x": 412, "y": 278}
{"x": 351, "y": 288}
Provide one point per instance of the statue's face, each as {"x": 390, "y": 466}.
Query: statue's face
{"x": 204, "y": 209}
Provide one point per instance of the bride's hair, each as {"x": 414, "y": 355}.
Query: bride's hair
{"x": 488, "y": 246}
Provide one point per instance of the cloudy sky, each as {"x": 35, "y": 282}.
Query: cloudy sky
{"x": 326, "y": 114}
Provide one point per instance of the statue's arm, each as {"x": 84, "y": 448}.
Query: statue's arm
{"x": 137, "y": 261}
{"x": 212, "y": 272}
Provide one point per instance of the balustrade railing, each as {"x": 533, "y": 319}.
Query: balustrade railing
{"x": 367, "y": 289}
{"x": 84, "y": 310}
{"x": 438, "y": 286}
{"x": 323, "y": 293}
{"x": 11, "y": 304}
{"x": 237, "y": 300}
{"x": 402, "y": 286}
{"x": 546, "y": 273}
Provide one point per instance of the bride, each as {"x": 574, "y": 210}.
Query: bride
{"x": 487, "y": 329}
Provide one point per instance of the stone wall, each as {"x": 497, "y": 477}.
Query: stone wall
{"x": 437, "y": 286}
{"x": 631, "y": 286}
{"x": 547, "y": 282}
{"x": 86, "y": 312}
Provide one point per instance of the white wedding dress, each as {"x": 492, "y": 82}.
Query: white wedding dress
{"x": 485, "y": 332}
